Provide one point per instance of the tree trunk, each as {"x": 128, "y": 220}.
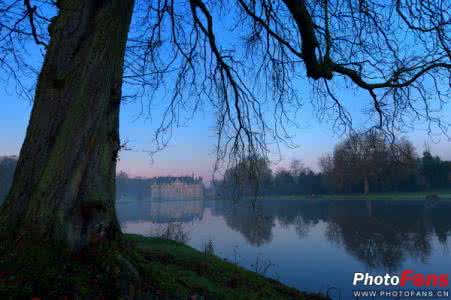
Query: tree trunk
{"x": 64, "y": 185}
{"x": 366, "y": 185}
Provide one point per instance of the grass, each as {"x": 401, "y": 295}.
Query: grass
{"x": 177, "y": 271}
{"x": 444, "y": 195}
{"x": 167, "y": 270}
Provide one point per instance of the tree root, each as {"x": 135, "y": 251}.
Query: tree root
{"x": 33, "y": 269}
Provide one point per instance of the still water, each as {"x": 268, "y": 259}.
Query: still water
{"x": 312, "y": 245}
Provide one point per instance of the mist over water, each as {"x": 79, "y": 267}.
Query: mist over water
{"x": 313, "y": 245}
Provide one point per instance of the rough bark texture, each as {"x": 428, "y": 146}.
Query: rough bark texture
{"x": 64, "y": 185}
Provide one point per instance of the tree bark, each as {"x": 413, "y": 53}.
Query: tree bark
{"x": 366, "y": 185}
{"x": 64, "y": 185}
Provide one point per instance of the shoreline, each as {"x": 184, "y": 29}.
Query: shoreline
{"x": 401, "y": 196}
{"x": 407, "y": 196}
{"x": 178, "y": 271}
{"x": 164, "y": 270}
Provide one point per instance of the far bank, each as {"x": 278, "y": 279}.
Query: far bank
{"x": 418, "y": 196}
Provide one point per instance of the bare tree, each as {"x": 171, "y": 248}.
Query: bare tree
{"x": 360, "y": 157}
{"x": 368, "y": 157}
{"x": 244, "y": 57}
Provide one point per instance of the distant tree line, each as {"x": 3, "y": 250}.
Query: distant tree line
{"x": 7, "y": 167}
{"x": 134, "y": 187}
{"x": 126, "y": 186}
{"x": 367, "y": 162}
{"x": 363, "y": 163}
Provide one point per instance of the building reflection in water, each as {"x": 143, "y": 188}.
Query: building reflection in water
{"x": 378, "y": 233}
{"x": 165, "y": 211}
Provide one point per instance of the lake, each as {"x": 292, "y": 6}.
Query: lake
{"x": 313, "y": 245}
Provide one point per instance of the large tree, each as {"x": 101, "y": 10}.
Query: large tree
{"x": 64, "y": 182}
{"x": 244, "y": 57}
{"x": 250, "y": 177}
{"x": 367, "y": 160}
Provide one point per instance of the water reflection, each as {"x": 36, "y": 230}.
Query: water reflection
{"x": 161, "y": 211}
{"x": 312, "y": 244}
{"x": 378, "y": 233}
{"x": 381, "y": 234}
{"x": 250, "y": 219}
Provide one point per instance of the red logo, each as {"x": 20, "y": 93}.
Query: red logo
{"x": 421, "y": 280}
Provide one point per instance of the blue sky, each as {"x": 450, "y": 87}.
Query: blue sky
{"x": 191, "y": 149}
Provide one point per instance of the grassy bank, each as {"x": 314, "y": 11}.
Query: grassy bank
{"x": 176, "y": 271}
{"x": 443, "y": 195}
{"x": 166, "y": 269}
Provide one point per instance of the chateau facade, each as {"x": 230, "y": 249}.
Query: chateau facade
{"x": 178, "y": 189}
